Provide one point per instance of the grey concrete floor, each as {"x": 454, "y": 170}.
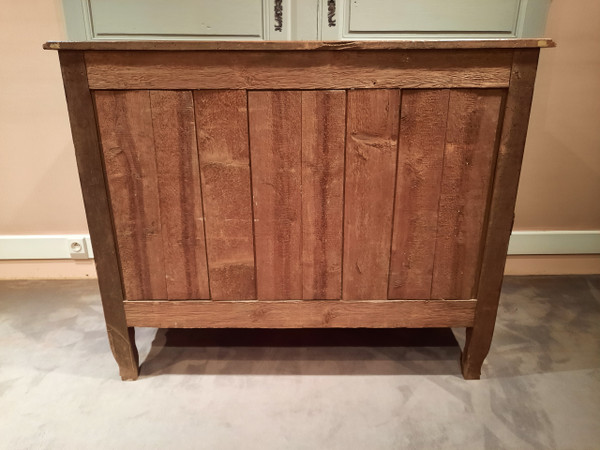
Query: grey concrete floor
{"x": 309, "y": 389}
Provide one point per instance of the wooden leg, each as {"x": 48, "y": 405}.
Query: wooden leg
{"x": 473, "y": 355}
{"x": 125, "y": 352}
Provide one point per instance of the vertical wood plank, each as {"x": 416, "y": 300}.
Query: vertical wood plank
{"x": 323, "y": 141}
{"x": 97, "y": 208}
{"x": 473, "y": 117}
{"x": 371, "y": 149}
{"x": 125, "y": 125}
{"x": 275, "y": 152}
{"x": 420, "y": 158}
{"x": 222, "y": 129}
{"x": 502, "y": 206}
{"x": 180, "y": 195}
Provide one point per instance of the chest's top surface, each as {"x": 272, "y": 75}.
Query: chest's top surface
{"x": 301, "y": 45}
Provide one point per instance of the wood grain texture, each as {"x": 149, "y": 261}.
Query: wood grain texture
{"x": 222, "y": 127}
{"x": 371, "y": 150}
{"x": 301, "y": 314}
{"x": 424, "y": 114}
{"x": 323, "y": 141}
{"x": 280, "y": 70}
{"x": 289, "y": 155}
{"x": 276, "y": 151}
{"x": 182, "y": 221}
{"x": 471, "y": 134}
{"x": 97, "y": 208}
{"x": 301, "y": 45}
{"x": 125, "y": 125}
{"x": 502, "y": 206}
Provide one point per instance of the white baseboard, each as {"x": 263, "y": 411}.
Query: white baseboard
{"x": 560, "y": 242}
{"x": 13, "y": 247}
{"x": 565, "y": 242}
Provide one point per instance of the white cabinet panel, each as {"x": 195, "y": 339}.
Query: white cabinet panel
{"x": 433, "y": 15}
{"x": 242, "y": 19}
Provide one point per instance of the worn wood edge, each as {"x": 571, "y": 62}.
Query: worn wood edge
{"x": 302, "y": 45}
{"x": 301, "y": 313}
{"x": 501, "y": 212}
{"x": 86, "y": 141}
{"x": 468, "y": 373}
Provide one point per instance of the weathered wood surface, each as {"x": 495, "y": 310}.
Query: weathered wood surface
{"x": 151, "y": 161}
{"x": 275, "y": 119}
{"x": 301, "y": 314}
{"x": 371, "y": 149}
{"x": 182, "y": 221}
{"x": 281, "y": 70}
{"x": 222, "y": 127}
{"x": 323, "y": 141}
{"x": 302, "y": 45}
{"x": 93, "y": 186}
{"x": 501, "y": 214}
{"x": 424, "y": 114}
{"x": 125, "y": 125}
{"x": 413, "y": 197}
{"x": 473, "y": 118}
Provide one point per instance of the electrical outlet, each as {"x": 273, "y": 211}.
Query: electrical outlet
{"x": 78, "y": 248}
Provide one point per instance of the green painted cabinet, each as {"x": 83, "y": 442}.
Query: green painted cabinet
{"x": 303, "y": 19}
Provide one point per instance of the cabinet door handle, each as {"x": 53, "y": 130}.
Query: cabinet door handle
{"x": 278, "y": 15}
{"x": 331, "y": 13}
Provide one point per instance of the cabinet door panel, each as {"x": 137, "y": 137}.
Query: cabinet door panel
{"x": 385, "y": 16}
{"x": 176, "y": 19}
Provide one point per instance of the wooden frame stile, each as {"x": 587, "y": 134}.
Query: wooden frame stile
{"x": 93, "y": 185}
{"x": 501, "y": 212}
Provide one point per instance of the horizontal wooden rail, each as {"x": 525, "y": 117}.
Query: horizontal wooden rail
{"x": 301, "y": 313}
{"x": 299, "y": 70}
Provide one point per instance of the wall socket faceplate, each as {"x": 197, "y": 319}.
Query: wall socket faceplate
{"x": 78, "y": 248}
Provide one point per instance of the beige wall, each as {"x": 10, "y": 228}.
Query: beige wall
{"x": 560, "y": 181}
{"x": 39, "y": 190}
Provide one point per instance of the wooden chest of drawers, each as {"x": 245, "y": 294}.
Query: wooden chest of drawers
{"x": 293, "y": 185}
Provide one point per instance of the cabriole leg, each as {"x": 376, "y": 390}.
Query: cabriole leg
{"x": 125, "y": 352}
{"x": 477, "y": 346}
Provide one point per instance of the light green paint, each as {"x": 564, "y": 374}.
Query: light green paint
{"x": 75, "y": 19}
{"x": 532, "y": 18}
{"x": 225, "y": 18}
{"x": 393, "y": 16}
{"x": 303, "y": 19}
